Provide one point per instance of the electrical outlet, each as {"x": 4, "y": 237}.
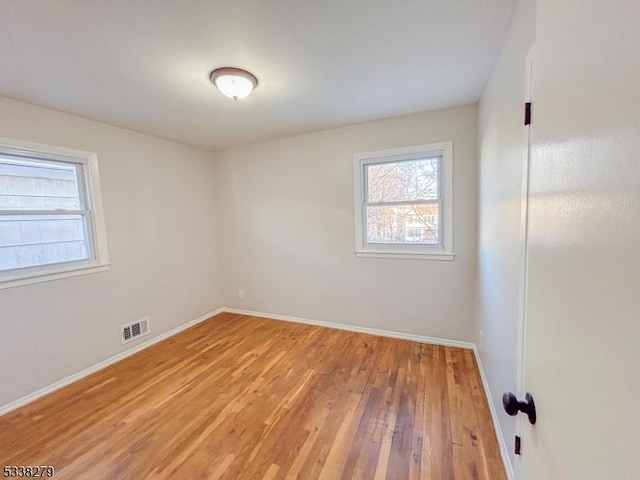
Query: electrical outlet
{"x": 481, "y": 338}
{"x": 241, "y": 294}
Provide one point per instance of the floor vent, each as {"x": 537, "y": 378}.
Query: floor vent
{"x": 131, "y": 331}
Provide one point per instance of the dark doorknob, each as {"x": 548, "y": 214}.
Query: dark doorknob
{"x": 512, "y": 406}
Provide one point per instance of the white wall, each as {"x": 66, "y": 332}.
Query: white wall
{"x": 159, "y": 204}
{"x": 289, "y": 230}
{"x": 502, "y": 143}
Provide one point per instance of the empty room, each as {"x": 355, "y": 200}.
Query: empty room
{"x": 332, "y": 239}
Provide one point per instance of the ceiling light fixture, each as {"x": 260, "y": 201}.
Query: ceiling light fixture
{"x": 233, "y": 82}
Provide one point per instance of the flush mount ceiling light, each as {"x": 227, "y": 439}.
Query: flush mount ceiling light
{"x": 233, "y": 82}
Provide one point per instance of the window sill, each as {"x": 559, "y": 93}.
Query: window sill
{"x": 406, "y": 255}
{"x": 62, "y": 272}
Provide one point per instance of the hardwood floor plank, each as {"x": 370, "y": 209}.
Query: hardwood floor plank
{"x": 399, "y": 461}
{"x": 455, "y": 413}
{"x": 416, "y": 371}
{"x": 240, "y": 397}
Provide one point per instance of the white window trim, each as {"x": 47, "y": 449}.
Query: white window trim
{"x": 444, "y": 251}
{"x": 100, "y": 260}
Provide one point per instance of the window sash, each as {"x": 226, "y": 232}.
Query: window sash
{"x": 436, "y": 201}
{"x": 365, "y": 221}
{"x": 365, "y": 203}
{"x": 84, "y": 212}
{"x": 88, "y": 226}
{"x": 364, "y": 174}
{"x": 57, "y": 211}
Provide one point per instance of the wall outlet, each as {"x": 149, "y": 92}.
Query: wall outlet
{"x": 241, "y": 294}
{"x": 480, "y": 338}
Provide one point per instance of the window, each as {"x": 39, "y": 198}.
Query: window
{"x": 403, "y": 204}
{"x": 51, "y": 222}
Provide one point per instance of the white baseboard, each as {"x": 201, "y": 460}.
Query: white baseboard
{"x": 504, "y": 451}
{"x": 354, "y": 328}
{"x": 105, "y": 363}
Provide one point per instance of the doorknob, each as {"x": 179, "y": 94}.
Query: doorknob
{"x": 512, "y": 406}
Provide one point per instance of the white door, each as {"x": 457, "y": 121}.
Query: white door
{"x": 582, "y": 332}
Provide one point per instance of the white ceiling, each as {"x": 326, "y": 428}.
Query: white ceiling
{"x": 144, "y": 64}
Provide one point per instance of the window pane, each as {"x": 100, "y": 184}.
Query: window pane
{"x": 403, "y": 181}
{"x": 27, "y": 184}
{"x": 415, "y": 224}
{"x": 33, "y": 240}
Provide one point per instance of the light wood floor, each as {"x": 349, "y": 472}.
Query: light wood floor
{"x": 240, "y": 397}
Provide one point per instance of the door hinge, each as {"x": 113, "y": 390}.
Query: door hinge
{"x": 517, "y": 447}
{"x": 527, "y": 113}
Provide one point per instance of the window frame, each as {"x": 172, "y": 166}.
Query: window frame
{"x": 441, "y": 251}
{"x": 86, "y": 166}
